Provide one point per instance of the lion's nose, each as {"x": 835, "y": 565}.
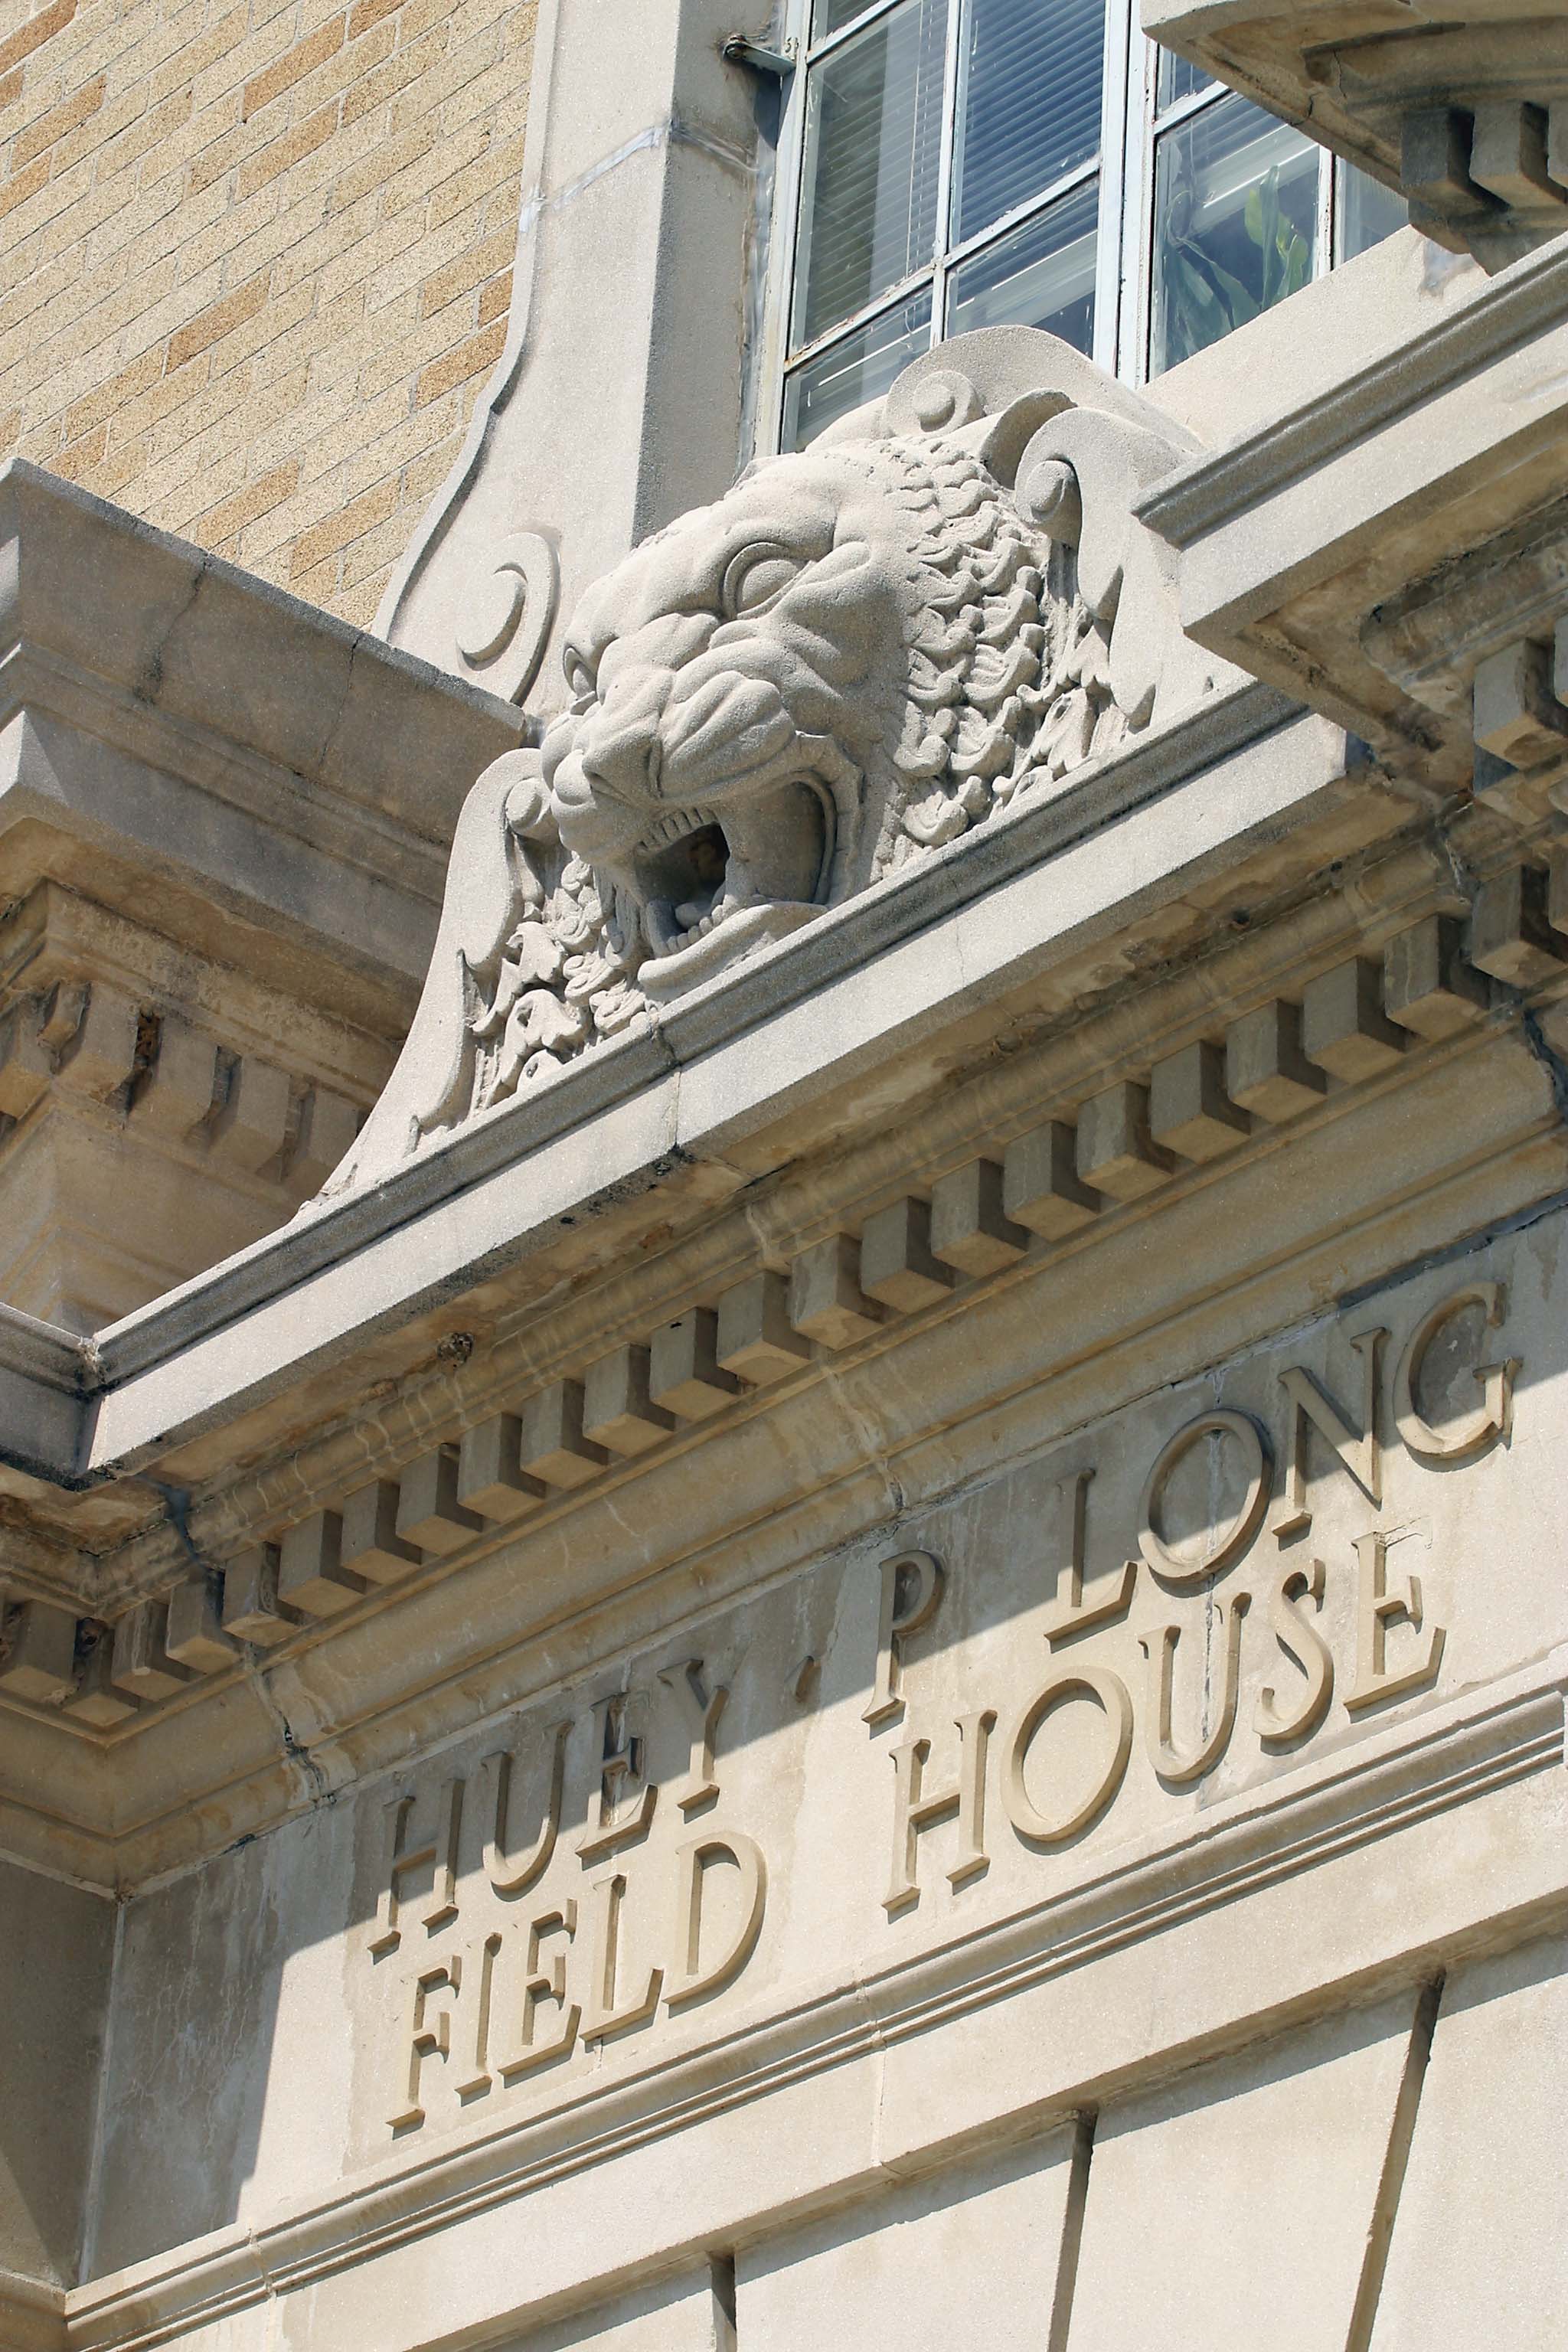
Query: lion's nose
{"x": 619, "y": 747}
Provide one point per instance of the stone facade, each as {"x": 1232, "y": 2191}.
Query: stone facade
{"x": 257, "y": 263}
{"x": 786, "y": 1572}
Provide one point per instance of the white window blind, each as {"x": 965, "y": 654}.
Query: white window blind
{"x": 948, "y": 164}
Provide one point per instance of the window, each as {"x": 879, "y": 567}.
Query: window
{"x": 961, "y": 163}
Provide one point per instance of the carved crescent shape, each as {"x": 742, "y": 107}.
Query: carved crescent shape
{"x": 503, "y": 623}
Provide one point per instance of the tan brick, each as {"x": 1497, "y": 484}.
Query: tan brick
{"x": 143, "y": 222}
{"x": 235, "y": 67}
{"x": 98, "y": 407}
{"x": 182, "y": 146}
{"x": 464, "y": 272}
{"x": 302, "y": 141}
{"x": 144, "y": 410}
{"x": 344, "y": 71}
{"x": 152, "y": 126}
{"x": 222, "y": 397}
{"x": 424, "y": 477}
{"x": 35, "y": 33}
{"x": 223, "y": 226}
{"x": 22, "y": 184}
{"x": 43, "y": 133}
{"x": 292, "y": 66}
{"x": 199, "y": 55}
{"x": 359, "y": 607}
{"x": 469, "y": 359}
{"x": 337, "y": 529}
{"x": 375, "y": 550}
{"x": 360, "y": 256}
{"x": 384, "y": 160}
{"x": 36, "y": 291}
{"x": 122, "y": 464}
{"x": 10, "y": 88}
{"x": 317, "y": 584}
{"x": 366, "y": 12}
{"x": 276, "y": 321}
{"x": 231, "y": 515}
{"x": 79, "y": 458}
{"x": 439, "y": 84}
{"x": 495, "y": 301}
{"x": 493, "y": 163}
{"x": 384, "y": 81}
{"x": 214, "y": 162}
{"x": 208, "y": 325}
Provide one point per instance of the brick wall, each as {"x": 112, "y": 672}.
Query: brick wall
{"x": 255, "y": 261}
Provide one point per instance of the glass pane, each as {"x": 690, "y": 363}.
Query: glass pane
{"x": 1041, "y": 275}
{"x": 1029, "y": 102}
{"x": 827, "y": 15}
{"x": 1368, "y": 211}
{"x": 1176, "y": 78}
{"x": 873, "y": 121}
{"x": 863, "y": 365}
{"x": 1236, "y": 225}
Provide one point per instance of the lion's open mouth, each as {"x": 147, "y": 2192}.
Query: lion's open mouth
{"x": 697, "y": 868}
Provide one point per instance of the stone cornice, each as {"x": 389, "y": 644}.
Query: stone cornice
{"x": 281, "y": 772}
{"x": 1524, "y": 301}
{"x": 1402, "y": 490}
{"x": 717, "y": 1020}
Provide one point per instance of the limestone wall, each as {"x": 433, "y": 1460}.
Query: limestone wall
{"x": 255, "y": 262}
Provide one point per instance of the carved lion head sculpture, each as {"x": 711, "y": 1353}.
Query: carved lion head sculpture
{"x": 856, "y": 655}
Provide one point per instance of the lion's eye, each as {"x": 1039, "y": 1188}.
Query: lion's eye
{"x": 580, "y": 683}
{"x": 756, "y": 577}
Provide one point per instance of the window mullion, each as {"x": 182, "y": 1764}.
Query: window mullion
{"x": 789, "y": 171}
{"x": 1119, "y": 37}
{"x": 1136, "y": 279}
{"x": 947, "y": 164}
{"x": 1323, "y": 255}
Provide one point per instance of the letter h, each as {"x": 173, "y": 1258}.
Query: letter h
{"x": 440, "y": 1850}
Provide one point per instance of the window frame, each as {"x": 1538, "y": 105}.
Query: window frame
{"x": 1125, "y": 165}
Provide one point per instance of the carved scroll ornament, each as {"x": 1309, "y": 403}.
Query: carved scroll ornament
{"x": 859, "y": 653}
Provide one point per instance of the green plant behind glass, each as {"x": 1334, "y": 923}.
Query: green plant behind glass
{"x": 1203, "y": 300}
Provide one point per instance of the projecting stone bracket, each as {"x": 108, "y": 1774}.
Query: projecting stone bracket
{"x": 1492, "y": 180}
{"x": 1465, "y": 111}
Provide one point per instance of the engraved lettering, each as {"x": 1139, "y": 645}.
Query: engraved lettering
{"x": 478, "y": 2081}
{"x": 1377, "y": 1610}
{"x": 441, "y": 1850}
{"x": 540, "y": 1985}
{"x": 626, "y": 1801}
{"x": 915, "y": 1809}
{"x": 1108, "y": 1692}
{"x": 699, "y": 1713}
{"x": 606, "y": 2015}
{"x": 911, "y": 1588}
{"x": 1305, "y": 1647}
{"x": 690, "y": 1980}
{"x": 1309, "y": 1407}
{"x": 1219, "y": 1547}
{"x": 1071, "y": 1613}
{"x": 512, "y": 1873}
{"x": 428, "y": 2037}
{"x": 1462, "y": 1440}
{"x": 1176, "y": 1769}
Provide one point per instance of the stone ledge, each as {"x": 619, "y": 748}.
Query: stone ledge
{"x": 162, "y": 704}
{"x": 673, "y": 1102}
